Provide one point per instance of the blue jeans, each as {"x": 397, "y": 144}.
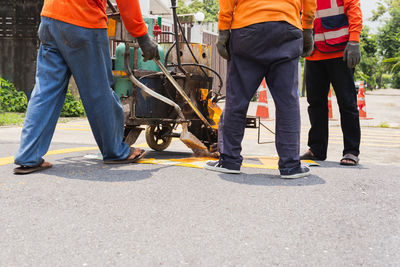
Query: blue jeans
{"x": 270, "y": 50}
{"x": 68, "y": 49}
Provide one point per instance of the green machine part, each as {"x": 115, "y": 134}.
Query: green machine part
{"x": 122, "y": 84}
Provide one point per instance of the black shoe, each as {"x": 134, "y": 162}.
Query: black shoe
{"x": 214, "y": 165}
{"x": 300, "y": 172}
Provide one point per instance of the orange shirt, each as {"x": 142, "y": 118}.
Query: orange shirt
{"x": 353, "y": 12}
{"x": 92, "y": 14}
{"x": 234, "y": 14}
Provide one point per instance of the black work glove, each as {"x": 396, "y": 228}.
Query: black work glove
{"x": 352, "y": 54}
{"x": 308, "y": 42}
{"x": 149, "y": 47}
{"x": 223, "y": 44}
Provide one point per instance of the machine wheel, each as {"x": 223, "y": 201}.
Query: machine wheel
{"x": 155, "y": 138}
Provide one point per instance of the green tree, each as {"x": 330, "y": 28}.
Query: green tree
{"x": 368, "y": 69}
{"x": 388, "y": 38}
{"x": 210, "y": 9}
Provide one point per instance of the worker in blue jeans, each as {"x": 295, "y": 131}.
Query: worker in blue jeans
{"x": 67, "y": 49}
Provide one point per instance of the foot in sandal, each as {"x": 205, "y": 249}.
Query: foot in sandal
{"x": 349, "y": 160}
{"x": 23, "y": 169}
{"x": 135, "y": 155}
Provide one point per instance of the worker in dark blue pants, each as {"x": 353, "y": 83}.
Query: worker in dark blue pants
{"x": 256, "y": 52}
{"x": 254, "y": 58}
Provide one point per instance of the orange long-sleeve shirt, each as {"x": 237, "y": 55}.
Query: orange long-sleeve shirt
{"x": 234, "y": 14}
{"x": 352, "y": 10}
{"x": 92, "y": 14}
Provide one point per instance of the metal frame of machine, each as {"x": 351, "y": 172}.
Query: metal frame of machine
{"x": 184, "y": 96}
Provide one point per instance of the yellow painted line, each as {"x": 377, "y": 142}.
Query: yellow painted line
{"x": 74, "y": 125}
{"x": 363, "y": 144}
{"x": 193, "y": 162}
{"x": 339, "y": 134}
{"x": 73, "y": 129}
{"x": 370, "y": 140}
{"x": 9, "y": 160}
{"x": 6, "y": 160}
{"x": 71, "y": 150}
{"x": 367, "y": 133}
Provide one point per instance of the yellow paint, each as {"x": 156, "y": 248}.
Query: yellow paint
{"x": 215, "y": 113}
{"x": 259, "y": 166}
{"x": 119, "y": 73}
{"x": 111, "y": 27}
{"x": 203, "y": 94}
{"x": 74, "y": 125}
{"x": 74, "y": 129}
{"x": 6, "y": 160}
{"x": 9, "y": 160}
{"x": 393, "y": 145}
{"x": 71, "y": 150}
{"x": 193, "y": 162}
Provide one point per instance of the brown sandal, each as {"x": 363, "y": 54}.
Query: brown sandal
{"x": 309, "y": 155}
{"x": 23, "y": 169}
{"x": 128, "y": 159}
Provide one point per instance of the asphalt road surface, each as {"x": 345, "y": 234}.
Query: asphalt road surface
{"x": 84, "y": 213}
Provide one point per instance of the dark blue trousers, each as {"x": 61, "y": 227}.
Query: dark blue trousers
{"x": 270, "y": 50}
{"x": 319, "y": 75}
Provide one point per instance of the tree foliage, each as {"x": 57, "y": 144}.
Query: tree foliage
{"x": 11, "y": 100}
{"x": 210, "y": 8}
{"x": 368, "y": 68}
{"x": 388, "y": 38}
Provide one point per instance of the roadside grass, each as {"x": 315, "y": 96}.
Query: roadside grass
{"x": 17, "y": 119}
{"x": 384, "y": 125}
{"x": 11, "y": 118}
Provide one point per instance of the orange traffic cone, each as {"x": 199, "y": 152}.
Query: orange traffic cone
{"x": 330, "y": 114}
{"x": 362, "y": 109}
{"x": 262, "y": 106}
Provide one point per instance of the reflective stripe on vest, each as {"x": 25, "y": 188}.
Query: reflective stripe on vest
{"x": 331, "y": 27}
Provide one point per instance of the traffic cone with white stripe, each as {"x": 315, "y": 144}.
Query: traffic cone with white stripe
{"x": 362, "y": 109}
{"x": 262, "y": 105}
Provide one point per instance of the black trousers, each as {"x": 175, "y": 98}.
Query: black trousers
{"x": 319, "y": 75}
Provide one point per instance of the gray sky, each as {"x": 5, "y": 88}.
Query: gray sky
{"x": 367, "y": 6}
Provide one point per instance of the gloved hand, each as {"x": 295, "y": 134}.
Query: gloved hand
{"x": 223, "y": 44}
{"x": 308, "y": 42}
{"x": 352, "y": 54}
{"x": 149, "y": 47}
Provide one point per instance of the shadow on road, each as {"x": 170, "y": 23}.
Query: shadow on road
{"x": 96, "y": 171}
{"x": 271, "y": 180}
{"x": 335, "y": 164}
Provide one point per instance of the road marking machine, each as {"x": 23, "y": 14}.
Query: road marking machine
{"x": 167, "y": 93}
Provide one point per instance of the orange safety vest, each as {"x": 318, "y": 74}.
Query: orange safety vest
{"x": 331, "y": 27}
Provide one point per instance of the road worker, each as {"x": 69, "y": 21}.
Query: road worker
{"x": 263, "y": 39}
{"x": 74, "y": 41}
{"x": 337, "y": 52}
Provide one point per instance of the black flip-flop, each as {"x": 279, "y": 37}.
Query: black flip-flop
{"x": 354, "y": 159}
{"x": 27, "y": 169}
{"x": 127, "y": 161}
